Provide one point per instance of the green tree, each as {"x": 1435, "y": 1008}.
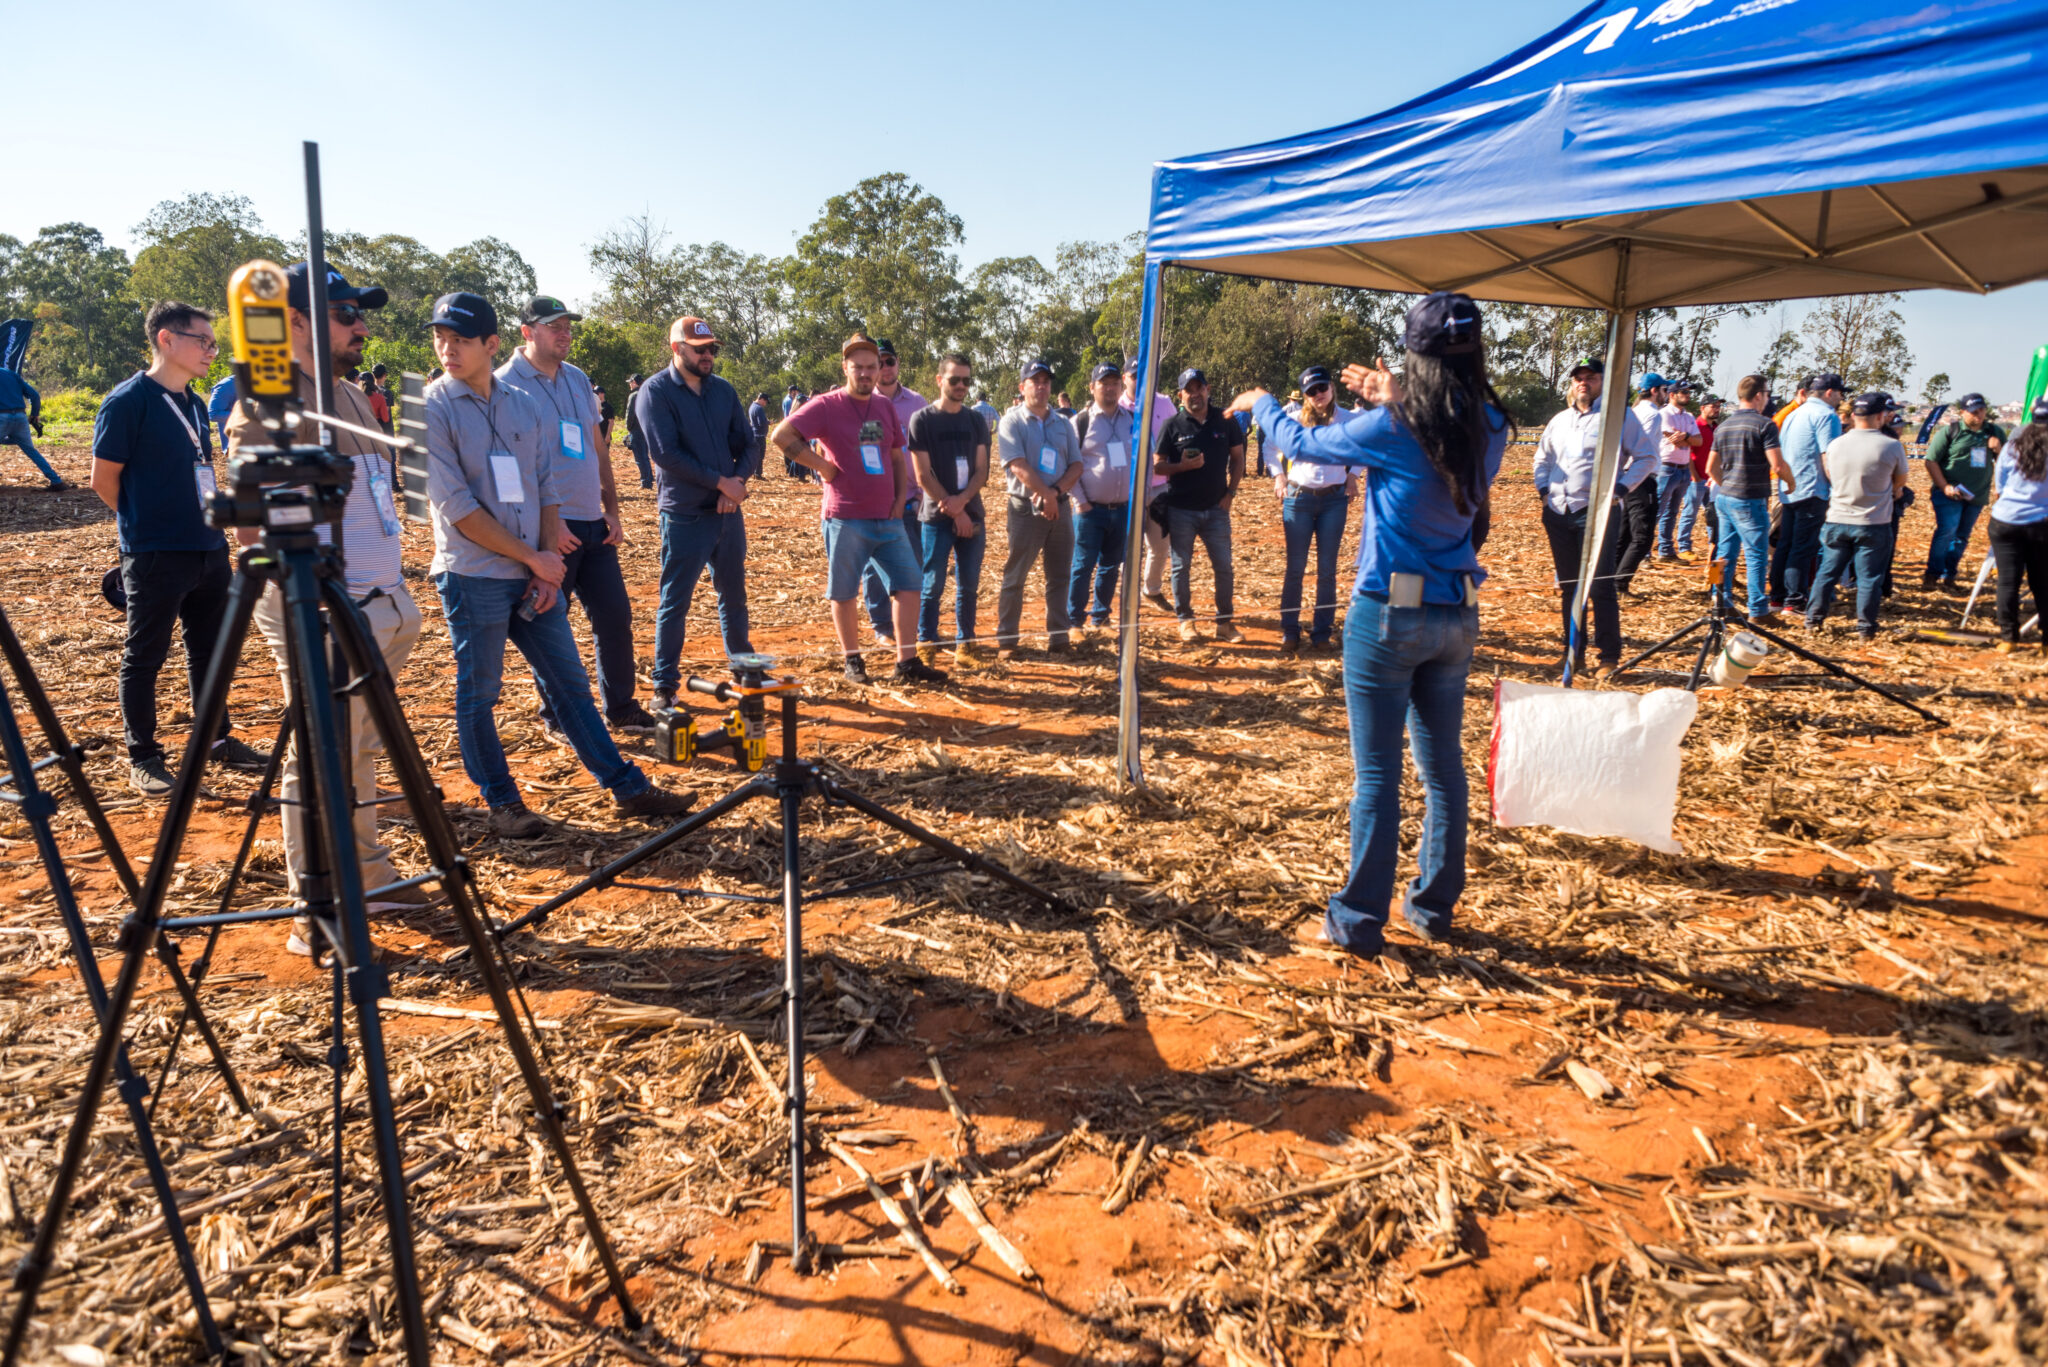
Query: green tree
{"x": 11, "y": 302}
{"x": 88, "y": 328}
{"x": 608, "y": 354}
{"x": 1006, "y": 300}
{"x": 1936, "y": 389}
{"x": 190, "y": 246}
{"x": 490, "y": 267}
{"x": 1862, "y": 338}
{"x": 644, "y": 279}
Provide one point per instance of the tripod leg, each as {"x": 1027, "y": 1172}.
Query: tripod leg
{"x": 1709, "y": 643}
{"x": 1673, "y": 639}
{"x": 792, "y": 793}
{"x": 331, "y": 786}
{"x": 37, "y": 807}
{"x": 138, "y": 935}
{"x": 1831, "y": 667}
{"x": 423, "y": 798}
{"x": 337, "y": 1061}
{"x": 944, "y": 846}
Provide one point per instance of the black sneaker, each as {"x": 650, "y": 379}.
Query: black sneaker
{"x": 233, "y": 754}
{"x": 634, "y": 719}
{"x": 857, "y": 670}
{"x": 654, "y": 802}
{"x": 151, "y": 777}
{"x": 515, "y": 821}
{"x": 664, "y": 700}
{"x": 916, "y": 671}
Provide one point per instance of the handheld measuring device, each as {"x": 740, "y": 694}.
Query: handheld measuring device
{"x": 262, "y": 336}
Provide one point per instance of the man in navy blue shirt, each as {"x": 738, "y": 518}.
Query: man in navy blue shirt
{"x": 152, "y": 463}
{"x": 21, "y": 412}
{"x": 703, "y": 452}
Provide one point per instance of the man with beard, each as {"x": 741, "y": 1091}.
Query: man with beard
{"x": 908, "y": 403}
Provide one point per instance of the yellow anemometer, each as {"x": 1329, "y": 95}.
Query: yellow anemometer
{"x": 262, "y": 337}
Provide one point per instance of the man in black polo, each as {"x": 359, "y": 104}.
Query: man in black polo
{"x": 1201, "y": 453}
{"x": 636, "y": 440}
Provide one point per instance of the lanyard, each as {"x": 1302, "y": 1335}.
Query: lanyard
{"x": 185, "y": 421}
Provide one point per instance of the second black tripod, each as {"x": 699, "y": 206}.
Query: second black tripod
{"x": 787, "y": 782}
{"x": 1715, "y": 626}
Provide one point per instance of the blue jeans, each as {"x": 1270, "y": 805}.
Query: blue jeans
{"x": 1404, "y": 668}
{"x": 689, "y": 542}
{"x": 1304, "y": 516}
{"x": 591, "y": 575}
{"x": 638, "y": 446}
{"x": 1099, "y": 536}
{"x": 1674, "y": 488}
{"x": 944, "y": 547}
{"x": 1871, "y": 550}
{"x": 1796, "y": 558}
{"x": 1746, "y": 526}
{"x": 875, "y": 592}
{"x": 14, "y": 430}
{"x": 482, "y": 615}
{"x": 1212, "y": 526}
{"x": 1699, "y": 498}
{"x": 1954, "y": 520}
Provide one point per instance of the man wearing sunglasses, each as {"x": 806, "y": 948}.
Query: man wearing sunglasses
{"x": 370, "y": 547}
{"x": 908, "y": 403}
{"x": 704, "y": 453}
{"x": 152, "y": 463}
{"x": 588, "y": 532}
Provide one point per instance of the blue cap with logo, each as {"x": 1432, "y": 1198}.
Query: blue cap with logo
{"x": 1442, "y": 324}
{"x": 1652, "y": 380}
{"x": 465, "y": 314}
{"x": 1971, "y": 403}
{"x": 1037, "y": 365}
{"x": 1103, "y": 371}
{"x": 1314, "y": 377}
{"x": 1191, "y": 376}
{"x": 298, "y": 289}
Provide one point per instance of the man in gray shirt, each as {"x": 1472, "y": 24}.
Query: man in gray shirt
{"x": 589, "y": 533}
{"x": 497, "y": 512}
{"x": 1866, "y": 471}
{"x": 1039, "y": 451}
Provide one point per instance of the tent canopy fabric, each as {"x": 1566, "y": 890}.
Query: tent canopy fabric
{"x": 1669, "y": 152}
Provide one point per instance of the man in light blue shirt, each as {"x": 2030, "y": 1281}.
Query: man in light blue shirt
{"x": 1565, "y": 456}
{"x": 1803, "y": 509}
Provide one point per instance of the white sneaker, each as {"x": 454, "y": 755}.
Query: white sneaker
{"x": 300, "y": 941}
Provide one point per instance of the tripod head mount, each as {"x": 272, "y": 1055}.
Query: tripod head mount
{"x": 745, "y": 731}
{"x": 283, "y": 490}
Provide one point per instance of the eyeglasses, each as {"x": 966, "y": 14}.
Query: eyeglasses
{"x": 348, "y": 315}
{"x": 888, "y": 360}
{"x": 205, "y": 339}
{"x": 708, "y": 349}
{"x": 1316, "y": 389}
{"x": 962, "y": 380}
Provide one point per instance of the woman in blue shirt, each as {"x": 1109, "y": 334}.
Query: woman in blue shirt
{"x": 1430, "y": 454}
{"x": 2019, "y": 526}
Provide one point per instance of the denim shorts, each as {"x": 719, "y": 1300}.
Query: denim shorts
{"x": 852, "y": 543}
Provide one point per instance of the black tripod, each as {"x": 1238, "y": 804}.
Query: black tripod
{"x": 288, "y": 492}
{"x": 1715, "y": 625}
{"x": 789, "y": 781}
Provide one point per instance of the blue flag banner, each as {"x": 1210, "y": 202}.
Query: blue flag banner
{"x": 14, "y": 342}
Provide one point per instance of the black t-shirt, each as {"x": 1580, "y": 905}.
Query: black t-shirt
{"x": 1214, "y": 435}
{"x": 1742, "y": 440}
{"x": 164, "y": 442}
{"x": 949, "y": 440}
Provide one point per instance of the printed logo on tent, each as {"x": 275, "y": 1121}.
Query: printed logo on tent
{"x": 1603, "y": 33}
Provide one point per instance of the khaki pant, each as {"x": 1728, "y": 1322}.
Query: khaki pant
{"x": 394, "y": 623}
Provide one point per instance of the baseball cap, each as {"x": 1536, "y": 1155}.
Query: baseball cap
{"x": 1870, "y": 403}
{"x": 1681, "y": 385}
{"x": 636, "y": 378}
{"x": 1313, "y": 376}
{"x": 1592, "y": 363}
{"x": 545, "y": 308}
{"x": 1037, "y": 365}
{"x": 1442, "y": 324}
{"x": 884, "y": 347}
{"x": 298, "y": 289}
{"x": 1190, "y": 376}
{"x": 693, "y": 330}
{"x": 794, "y": 389}
{"x": 1652, "y": 380}
{"x": 1102, "y": 372}
{"x": 1130, "y": 365}
{"x": 1824, "y": 381}
{"x": 860, "y": 341}
{"x": 1971, "y": 403}
{"x": 2040, "y": 413}
{"x": 465, "y": 314}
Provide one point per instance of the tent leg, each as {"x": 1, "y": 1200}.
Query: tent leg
{"x": 1130, "y": 764}
{"x": 1600, "y": 509}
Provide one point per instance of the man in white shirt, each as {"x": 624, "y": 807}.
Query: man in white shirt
{"x": 1639, "y": 509}
{"x": 1675, "y": 445}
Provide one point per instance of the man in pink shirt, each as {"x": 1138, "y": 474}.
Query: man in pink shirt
{"x": 907, "y": 402}
{"x": 867, "y": 474}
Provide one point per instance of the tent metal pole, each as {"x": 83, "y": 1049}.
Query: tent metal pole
{"x": 1130, "y": 764}
{"x": 1600, "y": 510}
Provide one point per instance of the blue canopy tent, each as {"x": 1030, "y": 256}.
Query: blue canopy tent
{"x": 1641, "y": 156}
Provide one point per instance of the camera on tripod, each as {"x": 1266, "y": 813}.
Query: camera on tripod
{"x": 744, "y": 730}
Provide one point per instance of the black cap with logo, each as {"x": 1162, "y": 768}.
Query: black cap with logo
{"x": 465, "y": 314}
{"x": 545, "y": 308}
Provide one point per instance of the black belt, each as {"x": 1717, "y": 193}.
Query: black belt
{"x": 1294, "y": 490}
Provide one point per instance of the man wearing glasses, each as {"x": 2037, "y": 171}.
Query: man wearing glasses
{"x": 588, "y": 532}
{"x": 704, "y": 454}
{"x": 370, "y": 550}
{"x": 908, "y": 403}
{"x": 152, "y": 463}
{"x": 948, "y": 445}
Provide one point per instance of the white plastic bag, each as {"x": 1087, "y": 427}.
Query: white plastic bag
{"x": 1592, "y": 763}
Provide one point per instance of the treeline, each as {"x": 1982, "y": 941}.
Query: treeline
{"x": 882, "y": 257}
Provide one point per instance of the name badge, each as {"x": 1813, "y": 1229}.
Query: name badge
{"x": 572, "y": 439}
{"x": 871, "y": 457}
{"x": 963, "y": 470}
{"x": 202, "y": 475}
{"x": 1118, "y": 456}
{"x": 505, "y": 477}
{"x": 1048, "y": 460}
{"x": 1978, "y": 458}
{"x": 380, "y": 499}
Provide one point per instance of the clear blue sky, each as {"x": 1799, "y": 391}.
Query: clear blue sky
{"x": 545, "y": 123}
